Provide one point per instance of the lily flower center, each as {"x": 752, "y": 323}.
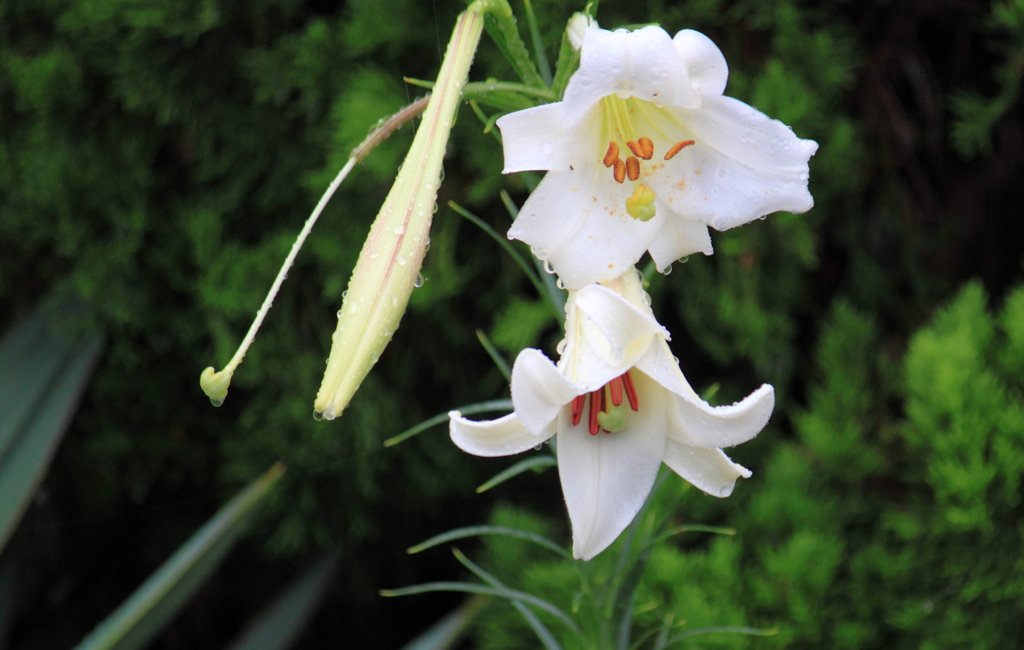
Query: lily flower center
{"x": 606, "y": 411}
{"x": 622, "y": 127}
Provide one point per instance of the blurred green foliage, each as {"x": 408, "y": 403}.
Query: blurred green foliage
{"x": 157, "y": 158}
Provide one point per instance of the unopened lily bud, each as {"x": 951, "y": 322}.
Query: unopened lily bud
{"x": 390, "y": 260}
{"x": 577, "y": 28}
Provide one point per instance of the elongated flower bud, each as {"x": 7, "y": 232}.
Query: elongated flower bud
{"x": 390, "y": 261}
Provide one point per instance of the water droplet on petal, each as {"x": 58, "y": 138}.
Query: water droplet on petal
{"x": 547, "y": 268}
{"x": 666, "y": 270}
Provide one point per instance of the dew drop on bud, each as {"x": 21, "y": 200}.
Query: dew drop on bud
{"x": 418, "y": 280}
{"x": 339, "y": 313}
{"x": 318, "y": 415}
{"x": 217, "y": 401}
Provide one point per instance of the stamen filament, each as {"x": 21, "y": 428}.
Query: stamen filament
{"x": 627, "y": 383}
{"x": 615, "y": 390}
{"x": 595, "y": 408}
{"x": 577, "y": 408}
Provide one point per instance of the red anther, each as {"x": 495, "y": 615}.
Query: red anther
{"x": 615, "y": 389}
{"x": 619, "y": 171}
{"x": 677, "y": 147}
{"x": 627, "y": 383}
{"x": 595, "y": 407}
{"x": 611, "y": 155}
{"x": 632, "y": 168}
{"x": 642, "y": 148}
{"x": 577, "y": 408}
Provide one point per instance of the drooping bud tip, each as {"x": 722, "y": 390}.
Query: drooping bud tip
{"x": 215, "y": 385}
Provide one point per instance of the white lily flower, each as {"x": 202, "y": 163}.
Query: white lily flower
{"x": 620, "y": 406}
{"x": 644, "y": 153}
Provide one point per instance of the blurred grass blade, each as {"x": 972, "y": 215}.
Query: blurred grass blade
{"x": 42, "y": 376}
{"x": 143, "y": 615}
{"x": 481, "y": 407}
{"x": 535, "y": 463}
{"x": 277, "y": 626}
{"x": 555, "y": 295}
{"x": 538, "y": 44}
{"x": 473, "y": 531}
{"x": 542, "y": 632}
{"x": 446, "y": 632}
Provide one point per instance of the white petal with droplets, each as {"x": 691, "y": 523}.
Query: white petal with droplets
{"x": 703, "y": 60}
{"x": 606, "y": 478}
{"x": 577, "y": 221}
{"x": 502, "y": 437}
{"x": 539, "y": 391}
{"x": 535, "y": 140}
{"x": 678, "y": 238}
{"x": 697, "y": 423}
{"x": 617, "y": 331}
{"x": 709, "y": 470}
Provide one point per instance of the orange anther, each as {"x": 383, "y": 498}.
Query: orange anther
{"x": 676, "y": 148}
{"x": 611, "y": 155}
{"x": 619, "y": 170}
{"x": 632, "y": 168}
{"x": 642, "y": 148}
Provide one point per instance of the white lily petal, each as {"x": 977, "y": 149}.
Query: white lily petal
{"x": 678, "y": 238}
{"x": 695, "y": 422}
{"x": 607, "y": 477}
{"x": 744, "y": 165}
{"x": 539, "y": 391}
{"x": 704, "y": 61}
{"x": 603, "y": 62}
{"x": 617, "y": 331}
{"x": 577, "y": 221}
{"x": 502, "y": 437}
{"x": 662, "y": 367}
{"x": 709, "y": 470}
{"x": 534, "y": 139}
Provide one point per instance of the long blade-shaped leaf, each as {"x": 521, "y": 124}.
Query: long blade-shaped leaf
{"x": 42, "y": 376}
{"x": 481, "y": 407}
{"x": 278, "y": 625}
{"x": 538, "y": 627}
{"x": 446, "y": 632}
{"x": 536, "y": 463}
{"x": 473, "y": 531}
{"x": 146, "y": 611}
{"x": 470, "y": 588}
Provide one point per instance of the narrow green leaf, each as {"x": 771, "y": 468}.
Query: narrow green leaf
{"x": 535, "y": 463}
{"x": 568, "y": 61}
{"x": 468, "y": 587}
{"x": 446, "y": 632}
{"x": 495, "y": 355}
{"x": 144, "y": 614}
{"x": 501, "y": 27}
{"x": 541, "y": 630}
{"x": 474, "y": 531}
{"x": 42, "y": 377}
{"x": 440, "y": 418}
{"x": 277, "y": 626}
{"x": 516, "y": 257}
{"x": 538, "y": 44}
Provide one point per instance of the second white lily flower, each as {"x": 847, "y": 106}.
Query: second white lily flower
{"x": 620, "y": 406}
